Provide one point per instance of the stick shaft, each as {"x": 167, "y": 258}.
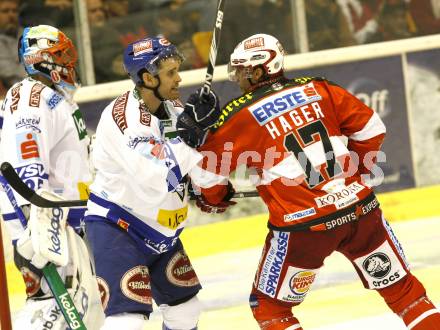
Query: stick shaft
{"x": 214, "y": 47}
{"x": 27, "y": 193}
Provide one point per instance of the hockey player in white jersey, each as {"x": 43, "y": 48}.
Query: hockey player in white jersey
{"x": 44, "y": 137}
{"x": 138, "y": 203}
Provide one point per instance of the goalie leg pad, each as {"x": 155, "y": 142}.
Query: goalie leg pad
{"x": 40, "y": 314}
{"x": 126, "y": 321}
{"x": 48, "y": 232}
{"x": 184, "y": 316}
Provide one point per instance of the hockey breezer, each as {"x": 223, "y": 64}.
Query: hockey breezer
{"x": 31, "y": 196}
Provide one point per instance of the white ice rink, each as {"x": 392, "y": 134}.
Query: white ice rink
{"x": 337, "y": 301}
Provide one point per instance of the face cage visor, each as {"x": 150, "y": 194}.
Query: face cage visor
{"x": 237, "y": 71}
{"x": 170, "y": 52}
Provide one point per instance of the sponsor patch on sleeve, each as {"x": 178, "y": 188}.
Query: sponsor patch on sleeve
{"x": 54, "y": 100}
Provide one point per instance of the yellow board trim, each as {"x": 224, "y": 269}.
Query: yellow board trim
{"x": 248, "y": 232}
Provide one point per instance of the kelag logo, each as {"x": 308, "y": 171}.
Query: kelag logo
{"x": 373, "y": 93}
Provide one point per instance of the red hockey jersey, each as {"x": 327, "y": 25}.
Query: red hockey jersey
{"x": 310, "y": 142}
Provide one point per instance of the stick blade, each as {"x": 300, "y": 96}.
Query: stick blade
{"x": 30, "y": 195}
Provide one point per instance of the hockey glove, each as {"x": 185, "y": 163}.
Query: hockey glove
{"x": 204, "y": 109}
{"x": 205, "y": 206}
{"x": 200, "y": 113}
{"x": 189, "y": 131}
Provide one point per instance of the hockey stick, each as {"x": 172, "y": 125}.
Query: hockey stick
{"x": 30, "y": 195}
{"x": 214, "y": 47}
{"x": 53, "y": 279}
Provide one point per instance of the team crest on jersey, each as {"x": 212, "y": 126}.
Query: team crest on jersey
{"x": 180, "y": 272}
{"x": 135, "y": 285}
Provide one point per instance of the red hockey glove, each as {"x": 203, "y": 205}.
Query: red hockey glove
{"x": 205, "y": 206}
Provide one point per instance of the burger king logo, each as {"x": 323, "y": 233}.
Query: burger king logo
{"x": 300, "y": 282}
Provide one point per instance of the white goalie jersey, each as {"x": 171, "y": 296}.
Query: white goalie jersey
{"x": 140, "y": 182}
{"x": 44, "y": 137}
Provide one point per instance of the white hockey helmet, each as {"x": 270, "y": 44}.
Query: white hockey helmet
{"x": 257, "y": 50}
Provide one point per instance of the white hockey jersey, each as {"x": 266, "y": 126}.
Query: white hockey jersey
{"x": 44, "y": 137}
{"x": 140, "y": 182}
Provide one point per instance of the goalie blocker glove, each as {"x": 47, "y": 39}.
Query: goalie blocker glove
{"x": 200, "y": 113}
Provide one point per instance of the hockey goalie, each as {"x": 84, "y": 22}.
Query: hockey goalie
{"x": 45, "y": 139}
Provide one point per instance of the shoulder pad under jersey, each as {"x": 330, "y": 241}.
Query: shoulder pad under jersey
{"x": 304, "y": 80}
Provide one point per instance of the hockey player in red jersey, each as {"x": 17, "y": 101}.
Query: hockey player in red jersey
{"x": 313, "y": 147}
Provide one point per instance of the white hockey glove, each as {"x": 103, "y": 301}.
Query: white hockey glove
{"x": 45, "y": 239}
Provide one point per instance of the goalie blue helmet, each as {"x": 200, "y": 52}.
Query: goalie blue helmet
{"x": 146, "y": 55}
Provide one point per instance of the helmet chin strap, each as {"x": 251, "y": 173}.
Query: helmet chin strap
{"x": 265, "y": 80}
{"x": 156, "y": 90}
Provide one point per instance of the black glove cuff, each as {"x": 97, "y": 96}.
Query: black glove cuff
{"x": 230, "y": 192}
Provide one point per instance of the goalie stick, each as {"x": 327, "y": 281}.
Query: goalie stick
{"x": 31, "y": 196}
{"x": 53, "y": 279}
